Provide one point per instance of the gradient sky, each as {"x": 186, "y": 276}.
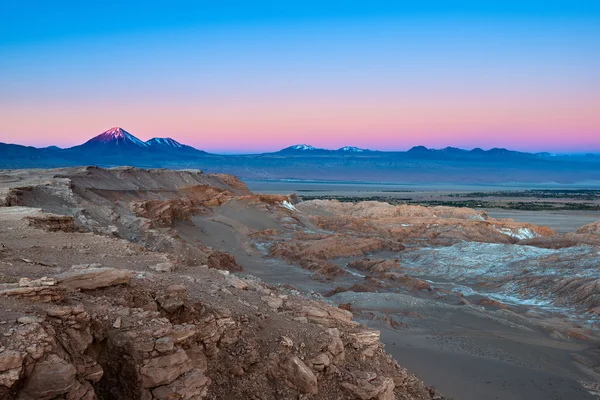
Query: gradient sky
{"x": 248, "y": 76}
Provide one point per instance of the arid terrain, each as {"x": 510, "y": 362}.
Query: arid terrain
{"x": 153, "y": 284}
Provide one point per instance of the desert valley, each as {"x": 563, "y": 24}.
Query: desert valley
{"x": 300, "y": 200}
{"x": 178, "y": 284}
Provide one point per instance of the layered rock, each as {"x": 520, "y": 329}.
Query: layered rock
{"x": 306, "y": 248}
{"x": 438, "y": 226}
{"x": 53, "y": 223}
{"x": 184, "y": 350}
{"x": 125, "y": 322}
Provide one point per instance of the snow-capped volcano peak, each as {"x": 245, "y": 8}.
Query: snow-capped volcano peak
{"x": 118, "y": 136}
{"x": 164, "y": 142}
{"x": 302, "y": 147}
{"x": 351, "y": 149}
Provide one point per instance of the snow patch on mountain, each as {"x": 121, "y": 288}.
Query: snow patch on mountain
{"x": 302, "y": 147}
{"x": 164, "y": 142}
{"x": 352, "y": 149}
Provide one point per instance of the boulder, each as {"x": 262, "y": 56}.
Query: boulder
{"x": 273, "y": 302}
{"x": 165, "y": 369}
{"x": 164, "y": 344}
{"x": 378, "y": 389}
{"x": 295, "y": 374}
{"x": 336, "y": 346}
{"x": 50, "y": 378}
{"x": 365, "y": 338}
{"x": 223, "y": 261}
{"x": 11, "y": 364}
{"x": 162, "y": 267}
{"x": 94, "y": 278}
{"x": 320, "y": 362}
{"x": 236, "y": 282}
{"x": 193, "y": 385}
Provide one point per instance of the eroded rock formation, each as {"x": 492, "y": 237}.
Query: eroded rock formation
{"x": 121, "y": 329}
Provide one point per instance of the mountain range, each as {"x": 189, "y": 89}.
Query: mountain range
{"x": 302, "y": 161}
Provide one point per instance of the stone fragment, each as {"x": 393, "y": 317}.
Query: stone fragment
{"x": 164, "y": 344}
{"x": 162, "y": 267}
{"x": 364, "y": 375}
{"x": 236, "y": 370}
{"x": 273, "y": 302}
{"x": 286, "y": 341}
{"x": 30, "y": 319}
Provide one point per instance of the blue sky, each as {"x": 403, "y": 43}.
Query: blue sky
{"x": 23, "y": 21}
{"x": 259, "y": 75}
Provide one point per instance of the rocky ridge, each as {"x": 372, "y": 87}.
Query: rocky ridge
{"x": 155, "y": 240}
{"x": 88, "y": 316}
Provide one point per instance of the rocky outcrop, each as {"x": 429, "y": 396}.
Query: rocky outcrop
{"x": 92, "y": 316}
{"x": 437, "y": 226}
{"x": 590, "y": 229}
{"x": 164, "y": 213}
{"x": 94, "y": 278}
{"x": 11, "y": 366}
{"x": 223, "y": 261}
{"x": 53, "y": 223}
{"x": 50, "y": 379}
{"x": 293, "y": 373}
{"x": 377, "y": 388}
{"x": 376, "y": 266}
{"x": 376, "y": 209}
{"x": 12, "y": 196}
{"x": 305, "y": 248}
{"x": 171, "y": 348}
{"x": 43, "y": 290}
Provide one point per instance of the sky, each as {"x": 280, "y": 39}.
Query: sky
{"x": 250, "y": 76}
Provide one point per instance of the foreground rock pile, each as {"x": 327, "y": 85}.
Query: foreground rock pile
{"x": 122, "y": 328}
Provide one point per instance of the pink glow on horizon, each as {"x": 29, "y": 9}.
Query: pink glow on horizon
{"x": 550, "y": 123}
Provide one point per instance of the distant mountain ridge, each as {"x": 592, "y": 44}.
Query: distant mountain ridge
{"x": 117, "y": 136}
{"x": 116, "y": 147}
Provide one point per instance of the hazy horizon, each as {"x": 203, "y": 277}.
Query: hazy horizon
{"x": 268, "y": 150}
